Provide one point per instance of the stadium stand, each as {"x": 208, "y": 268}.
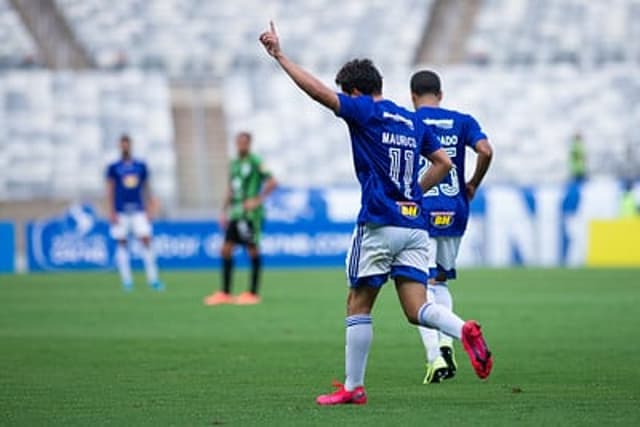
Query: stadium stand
{"x": 201, "y": 40}
{"x": 579, "y": 32}
{"x": 58, "y": 130}
{"x": 533, "y": 114}
{"x": 17, "y": 48}
{"x": 205, "y": 38}
{"x": 528, "y": 114}
{"x": 540, "y": 70}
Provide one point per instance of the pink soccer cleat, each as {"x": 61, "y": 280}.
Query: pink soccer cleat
{"x": 476, "y": 347}
{"x": 342, "y": 396}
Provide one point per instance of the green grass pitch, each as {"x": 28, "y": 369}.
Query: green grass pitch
{"x": 77, "y": 351}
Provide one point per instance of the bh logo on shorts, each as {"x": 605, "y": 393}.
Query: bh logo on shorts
{"x": 409, "y": 209}
{"x": 442, "y": 219}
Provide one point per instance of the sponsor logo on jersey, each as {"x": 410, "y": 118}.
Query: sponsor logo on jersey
{"x": 442, "y": 219}
{"x": 439, "y": 123}
{"x": 409, "y": 209}
{"x": 130, "y": 180}
{"x": 398, "y": 118}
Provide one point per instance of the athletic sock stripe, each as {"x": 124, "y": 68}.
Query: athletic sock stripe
{"x": 358, "y": 322}
{"x": 421, "y": 313}
{"x": 359, "y": 316}
{"x": 358, "y": 319}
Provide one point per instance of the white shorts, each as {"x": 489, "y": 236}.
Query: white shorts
{"x": 443, "y": 252}
{"x": 379, "y": 252}
{"x": 135, "y": 223}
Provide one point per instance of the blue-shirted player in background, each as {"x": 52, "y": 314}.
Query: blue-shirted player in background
{"x": 390, "y": 239}
{"x": 130, "y": 207}
{"x": 447, "y": 206}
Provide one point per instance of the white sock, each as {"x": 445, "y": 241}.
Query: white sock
{"x": 122, "y": 262}
{"x": 442, "y": 296}
{"x": 430, "y": 337}
{"x": 431, "y": 342}
{"x": 358, "y": 341}
{"x": 435, "y": 316}
{"x": 150, "y": 266}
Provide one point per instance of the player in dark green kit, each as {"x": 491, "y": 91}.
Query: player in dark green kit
{"x": 241, "y": 218}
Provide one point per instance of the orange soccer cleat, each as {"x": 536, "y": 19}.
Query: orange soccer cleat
{"x": 247, "y": 298}
{"x": 218, "y": 298}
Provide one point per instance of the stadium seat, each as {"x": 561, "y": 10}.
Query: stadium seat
{"x": 16, "y": 45}
{"x": 203, "y": 38}
{"x": 61, "y": 128}
{"x": 579, "y": 32}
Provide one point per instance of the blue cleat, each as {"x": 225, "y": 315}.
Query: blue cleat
{"x": 127, "y": 286}
{"x": 157, "y": 286}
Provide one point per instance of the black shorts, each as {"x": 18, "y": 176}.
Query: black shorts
{"x": 243, "y": 232}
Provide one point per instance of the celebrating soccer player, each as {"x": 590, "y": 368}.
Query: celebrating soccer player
{"x": 242, "y": 216}
{"x": 130, "y": 207}
{"x": 390, "y": 238}
{"x": 447, "y": 207}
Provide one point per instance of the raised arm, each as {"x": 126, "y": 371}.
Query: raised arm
{"x": 483, "y": 161}
{"x": 305, "y": 80}
{"x": 440, "y": 167}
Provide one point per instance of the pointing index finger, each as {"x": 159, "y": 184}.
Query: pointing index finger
{"x": 272, "y": 26}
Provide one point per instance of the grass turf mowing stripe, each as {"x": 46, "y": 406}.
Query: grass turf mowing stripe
{"x": 76, "y": 350}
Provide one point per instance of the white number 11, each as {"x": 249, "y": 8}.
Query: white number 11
{"x": 395, "y": 155}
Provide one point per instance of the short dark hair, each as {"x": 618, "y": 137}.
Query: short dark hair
{"x": 125, "y": 137}
{"x": 425, "y": 82}
{"x": 360, "y": 74}
{"x": 244, "y": 134}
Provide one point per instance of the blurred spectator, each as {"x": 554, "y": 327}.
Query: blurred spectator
{"x": 577, "y": 159}
{"x": 628, "y": 206}
{"x": 629, "y": 168}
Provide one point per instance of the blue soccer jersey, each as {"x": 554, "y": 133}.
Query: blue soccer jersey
{"x": 446, "y": 204}
{"x": 387, "y": 142}
{"x": 129, "y": 178}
